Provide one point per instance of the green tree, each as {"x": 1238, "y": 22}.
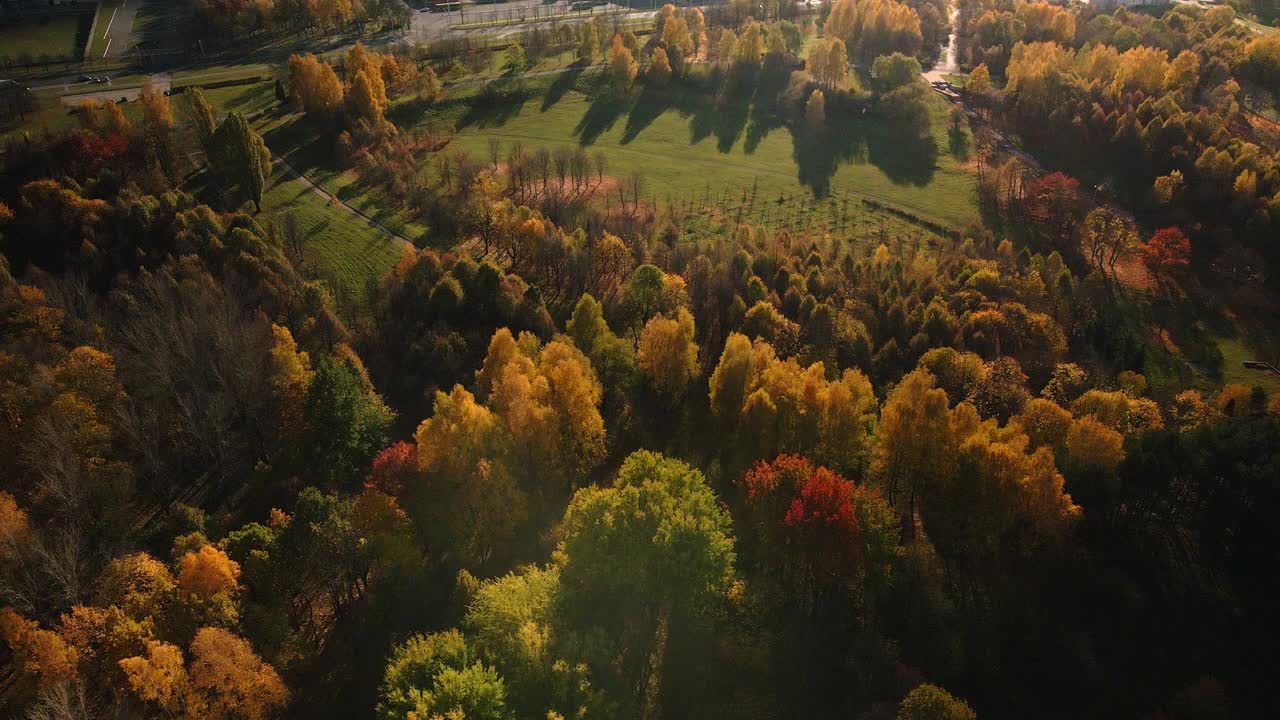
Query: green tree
{"x": 198, "y": 113}
{"x": 516, "y": 62}
{"x": 892, "y": 71}
{"x": 436, "y": 675}
{"x": 239, "y": 155}
{"x": 657, "y": 541}
{"x": 347, "y": 423}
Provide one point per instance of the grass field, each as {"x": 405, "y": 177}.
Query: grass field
{"x": 57, "y": 37}
{"x": 1234, "y": 351}
{"x": 687, "y": 145}
{"x": 340, "y": 247}
{"x": 314, "y": 157}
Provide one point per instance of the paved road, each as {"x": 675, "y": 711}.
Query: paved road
{"x": 115, "y": 27}
{"x": 164, "y": 82}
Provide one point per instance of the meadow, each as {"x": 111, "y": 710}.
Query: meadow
{"x": 57, "y": 37}
{"x": 687, "y": 144}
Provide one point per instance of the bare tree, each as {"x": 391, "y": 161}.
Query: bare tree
{"x": 601, "y": 165}
{"x": 495, "y": 152}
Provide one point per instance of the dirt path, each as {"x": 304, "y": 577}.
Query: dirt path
{"x": 338, "y": 202}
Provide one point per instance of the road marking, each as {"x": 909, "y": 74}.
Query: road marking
{"x": 104, "y": 52}
{"x": 112, "y": 20}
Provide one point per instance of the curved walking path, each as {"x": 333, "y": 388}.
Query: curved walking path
{"x": 339, "y": 202}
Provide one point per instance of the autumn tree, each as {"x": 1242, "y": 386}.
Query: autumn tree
{"x": 870, "y": 28}
{"x": 815, "y": 112}
{"x": 659, "y": 71}
{"x": 313, "y": 84}
{"x": 1054, "y": 204}
{"x": 916, "y": 445}
{"x": 827, "y": 62}
{"x": 366, "y": 97}
{"x": 930, "y": 702}
{"x": 224, "y": 679}
{"x": 1167, "y": 253}
{"x": 622, "y": 66}
{"x": 668, "y": 356}
{"x": 1107, "y": 237}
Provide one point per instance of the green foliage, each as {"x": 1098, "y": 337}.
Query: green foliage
{"x": 890, "y": 72}
{"x": 347, "y": 423}
{"x": 238, "y": 154}
{"x": 656, "y": 539}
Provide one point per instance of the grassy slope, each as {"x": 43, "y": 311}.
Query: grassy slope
{"x": 683, "y": 146}
{"x": 314, "y": 157}
{"x": 339, "y": 245}
{"x": 1235, "y": 350}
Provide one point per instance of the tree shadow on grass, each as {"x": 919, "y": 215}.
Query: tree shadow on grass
{"x": 563, "y": 83}
{"x": 958, "y": 141}
{"x": 651, "y": 104}
{"x": 493, "y": 107}
{"x": 604, "y": 111}
{"x": 819, "y": 153}
{"x": 766, "y": 108}
{"x": 906, "y": 160}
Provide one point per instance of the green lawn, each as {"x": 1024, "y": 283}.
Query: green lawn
{"x": 340, "y": 246}
{"x": 686, "y": 145}
{"x": 57, "y": 37}
{"x": 1234, "y": 351}
{"x": 313, "y": 156}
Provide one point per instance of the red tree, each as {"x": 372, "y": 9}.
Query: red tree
{"x": 786, "y": 473}
{"x": 394, "y": 468}
{"x": 1167, "y": 253}
{"x": 1053, "y": 202}
{"x": 81, "y": 154}
{"x": 823, "y": 520}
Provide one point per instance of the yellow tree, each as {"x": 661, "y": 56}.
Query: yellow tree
{"x": 155, "y": 106}
{"x": 367, "y": 97}
{"x": 659, "y": 67}
{"x": 313, "y": 84}
{"x": 225, "y": 679}
{"x": 916, "y": 444}
{"x": 667, "y": 355}
{"x": 622, "y": 66}
{"x": 815, "y": 110}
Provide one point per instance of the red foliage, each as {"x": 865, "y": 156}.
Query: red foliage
{"x": 1167, "y": 252}
{"x": 81, "y": 154}
{"x": 824, "y": 520}
{"x": 1054, "y": 202}
{"x": 394, "y": 469}
{"x": 786, "y": 472}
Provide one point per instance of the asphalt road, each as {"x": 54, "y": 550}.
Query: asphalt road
{"x": 116, "y": 28}
{"x": 163, "y": 82}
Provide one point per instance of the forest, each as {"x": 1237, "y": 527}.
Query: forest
{"x": 857, "y": 359}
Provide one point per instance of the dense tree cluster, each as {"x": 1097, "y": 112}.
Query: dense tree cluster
{"x": 643, "y": 465}
{"x": 1156, "y": 105}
